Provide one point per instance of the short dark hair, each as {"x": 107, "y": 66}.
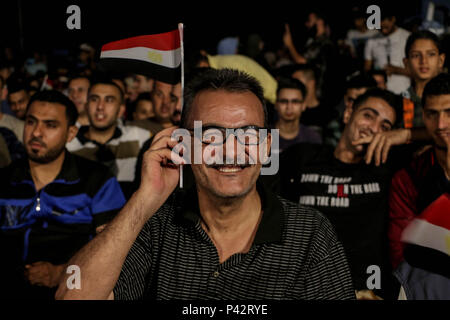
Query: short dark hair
{"x": 422, "y": 34}
{"x": 360, "y": 81}
{"x": 439, "y": 85}
{"x": 79, "y": 76}
{"x": 392, "y": 99}
{"x": 54, "y": 96}
{"x": 291, "y": 83}
{"x": 107, "y": 81}
{"x": 16, "y": 86}
{"x": 229, "y": 80}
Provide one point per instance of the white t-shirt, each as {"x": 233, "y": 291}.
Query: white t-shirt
{"x": 13, "y": 124}
{"x": 357, "y": 40}
{"x": 383, "y": 50}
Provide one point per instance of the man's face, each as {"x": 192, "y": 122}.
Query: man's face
{"x": 290, "y": 104}
{"x": 104, "y": 106}
{"x": 373, "y": 116}
{"x": 424, "y": 61}
{"x": 227, "y": 110}
{"x": 18, "y": 102}
{"x": 436, "y": 117}
{"x": 144, "y": 110}
{"x": 387, "y": 26}
{"x": 78, "y": 91}
{"x": 311, "y": 21}
{"x": 176, "y": 104}
{"x": 46, "y": 131}
{"x": 351, "y": 95}
{"x": 143, "y": 84}
{"x": 162, "y": 99}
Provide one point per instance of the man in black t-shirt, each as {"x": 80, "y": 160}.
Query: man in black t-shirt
{"x": 351, "y": 193}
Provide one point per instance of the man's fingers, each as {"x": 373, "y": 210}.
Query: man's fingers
{"x": 386, "y": 148}
{"x": 165, "y": 155}
{"x": 364, "y": 140}
{"x": 379, "y": 149}
{"x": 371, "y": 149}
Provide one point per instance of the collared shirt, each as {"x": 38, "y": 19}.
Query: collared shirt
{"x": 119, "y": 153}
{"x": 53, "y": 223}
{"x": 295, "y": 255}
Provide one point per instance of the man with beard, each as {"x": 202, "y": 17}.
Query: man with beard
{"x": 226, "y": 238}
{"x": 51, "y": 203}
{"x": 107, "y": 139}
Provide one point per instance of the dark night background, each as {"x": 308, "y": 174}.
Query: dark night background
{"x": 41, "y": 25}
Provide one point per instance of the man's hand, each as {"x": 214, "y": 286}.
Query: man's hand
{"x": 44, "y": 273}
{"x": 160, "y": 174}
{"x": 289, "y": 43}
{"x": 366, "y": 295}
{"x": 380, "y": 144}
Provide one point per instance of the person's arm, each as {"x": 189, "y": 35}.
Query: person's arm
{"x": 402, "y": 210}
{"x": 390, "y": 69}
{"x": 287, "y": 40}
{"x": 100, "y": 261}
{"x": 380, "y": 143}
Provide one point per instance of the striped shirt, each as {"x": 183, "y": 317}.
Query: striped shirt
{"x": 119, "y": 153}
{"x": 295, "y": 255}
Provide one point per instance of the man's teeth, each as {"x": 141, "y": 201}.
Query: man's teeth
{"x": 229, "y": 169}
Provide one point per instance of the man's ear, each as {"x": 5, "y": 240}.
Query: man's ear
{"x": 406, "y": 64}
{"x": 347, "y": 114}
{"x": 441, "y": 61}
{"x": 122, "y": 109}
{"x": 73, "y": 130}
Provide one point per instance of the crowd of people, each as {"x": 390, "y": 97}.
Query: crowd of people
{"x": 357, "y": 210}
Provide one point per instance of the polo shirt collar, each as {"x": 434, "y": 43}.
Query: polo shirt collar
{"x": 270, "y": 228}
{"x": 69, "y": 171}
{"x": 81, "y": 135}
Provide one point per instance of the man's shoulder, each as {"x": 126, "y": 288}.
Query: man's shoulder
{"x": 89, "y": 169}
{"x": 306, "y": 224}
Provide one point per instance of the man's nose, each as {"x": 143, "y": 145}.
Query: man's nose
{"x": 37, "y": 130}
{"x": 443, "y": 121}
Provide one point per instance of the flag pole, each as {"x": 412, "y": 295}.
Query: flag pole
{"x": 180, "y": 29}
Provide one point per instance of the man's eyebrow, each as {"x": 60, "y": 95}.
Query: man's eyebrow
{"x": 376, "y": 113}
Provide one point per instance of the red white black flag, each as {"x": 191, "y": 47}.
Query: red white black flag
{"x": 157, "y": 56}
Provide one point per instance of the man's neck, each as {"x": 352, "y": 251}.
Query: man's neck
{"x": 43, "y": 174}
{"x": 288, "y": 129}
{"x": 345, "y": 154}
{"x": 231, "y": 224}
{"x": 419, "y": 85}
{"x": 443, "y": 158}
{"x": 100, "y": 136}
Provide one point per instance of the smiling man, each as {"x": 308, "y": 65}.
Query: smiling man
{"x": 227, "y": 238}
{"x": 51, "y": 202}
{"x": 352, "y": 194}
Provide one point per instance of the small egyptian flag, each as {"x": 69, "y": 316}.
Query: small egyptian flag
{"x": 427, "y": 238}
{"x": 157, "y": 56}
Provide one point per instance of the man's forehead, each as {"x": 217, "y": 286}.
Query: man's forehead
{"x": 47, "y": 110}
{"x": 290, "y": 92}
{"x": 163, "y": 86}
{"x": 438, "y": 102}
{"x": 106, "y": 89}
{"x": 380, "y": 106}
{"x": 79, "y": 82}
{"x": 228, "y": 108}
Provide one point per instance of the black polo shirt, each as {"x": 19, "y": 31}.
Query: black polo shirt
{"x": 295, "y": 255}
